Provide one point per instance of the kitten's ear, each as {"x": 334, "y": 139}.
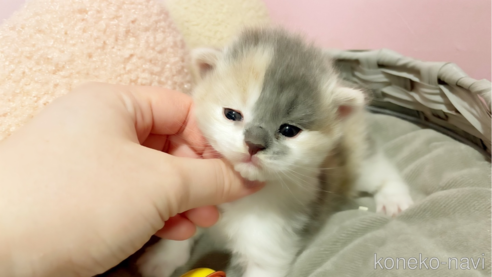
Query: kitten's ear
{"x": 203, "y": 61}
{"x": 348, "y": 101}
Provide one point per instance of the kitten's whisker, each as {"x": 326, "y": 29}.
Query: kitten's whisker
{"x": 314, "y": 168}
{"x": 300, "y": 174}
{"x": 299, "y": 181}
{"x": 296, "y": 183}
{"x": 287, "y": 186}
{"x": 303, "y": 181}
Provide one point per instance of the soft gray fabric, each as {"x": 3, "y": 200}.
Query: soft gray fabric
{"x": 451, "y": 184}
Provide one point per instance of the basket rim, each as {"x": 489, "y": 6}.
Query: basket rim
{"x": 463, "y": 103}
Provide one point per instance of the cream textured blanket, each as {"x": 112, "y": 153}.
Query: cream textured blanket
{"x": 51, "y": 46}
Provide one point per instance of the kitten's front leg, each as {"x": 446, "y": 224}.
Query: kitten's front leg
{"x": 164, "y": 257}
{"x": 381, "y": 178}
{"x": 265, "y": 250}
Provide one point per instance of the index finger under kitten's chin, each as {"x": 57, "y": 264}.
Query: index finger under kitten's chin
{"x": 193, "y": 137}
{"x": 210, "y": 153}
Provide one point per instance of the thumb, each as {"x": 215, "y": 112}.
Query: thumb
{"x": 211, "y": 182}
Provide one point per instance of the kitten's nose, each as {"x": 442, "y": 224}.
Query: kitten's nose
{"x": 254, "y": 148}
{"x": 256, "y": 138}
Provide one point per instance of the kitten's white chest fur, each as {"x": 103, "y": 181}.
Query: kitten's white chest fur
{"x": 276, "y": 109}
{"x": 261, "y": 229}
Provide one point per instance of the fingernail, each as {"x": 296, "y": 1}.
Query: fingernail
{"x": 253, "y": 184}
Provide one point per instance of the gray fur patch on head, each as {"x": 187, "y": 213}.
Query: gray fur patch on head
{"x": 292, "y": 90}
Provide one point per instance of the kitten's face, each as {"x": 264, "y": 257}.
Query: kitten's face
{"x": 268, "y": 119}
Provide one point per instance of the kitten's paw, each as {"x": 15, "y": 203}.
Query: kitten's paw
{"x": 162, "y": 259}
{"x": 393, "y": 199}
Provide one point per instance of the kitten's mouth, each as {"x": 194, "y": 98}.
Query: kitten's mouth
{"x": 250, "y": 168}
{"x": 252, "y": 160}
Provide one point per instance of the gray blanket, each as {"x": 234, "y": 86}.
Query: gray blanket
{"x": 446, "y": 233}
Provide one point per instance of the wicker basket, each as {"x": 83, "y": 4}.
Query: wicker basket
{"x": 435, "y": 95}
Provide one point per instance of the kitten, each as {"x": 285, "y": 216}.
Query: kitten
{"x": 276, "y": 109}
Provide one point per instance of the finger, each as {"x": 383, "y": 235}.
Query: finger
{"x": 210, "y": 153}
{"x": 192, "y": 136}
{"x": 165, "y": 112}
{"x": 177, "y": 227}
{"x": 145, "y": 109}
{"x": 176, "y": 145}
{"x": 210, "y": 182}
{"x": 168, "y": 112}
{"x": 203, "y": 216}
{"x": 180, "y": 148}
{"x": 156, "y": 142}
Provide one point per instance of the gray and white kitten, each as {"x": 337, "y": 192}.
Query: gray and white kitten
{"x": 276, "y": 109}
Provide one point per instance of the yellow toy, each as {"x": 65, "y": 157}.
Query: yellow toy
{"x": 204, "y": 272}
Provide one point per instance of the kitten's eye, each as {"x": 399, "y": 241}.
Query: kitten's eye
{"x": 233, "y": 115}
{"x": 289, "y": 130}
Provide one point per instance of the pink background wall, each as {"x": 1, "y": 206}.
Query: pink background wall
{"x": 457, "y": 31}
{"x": 7, "y": 7}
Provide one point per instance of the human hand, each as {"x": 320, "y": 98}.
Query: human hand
{"x": 85, "y": 184}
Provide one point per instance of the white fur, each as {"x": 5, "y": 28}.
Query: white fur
{"x": 260, "y": 230}
{"x": 163, "y": 258}
{"x": 381, "y": 178}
